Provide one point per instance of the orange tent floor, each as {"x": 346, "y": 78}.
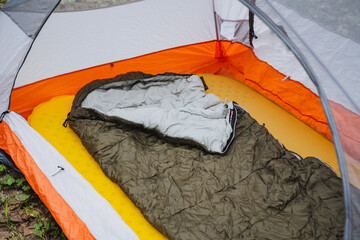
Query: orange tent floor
{"x": 47, "y": 119}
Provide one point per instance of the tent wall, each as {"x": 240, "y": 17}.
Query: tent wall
{"x": 231, "y": 10}
{"x": 21, "y": 21}
{"x": 14, "y": 44}
{"x": 123, "y": 32}
{"x": 232, "y": 21}
{"x": 332, "y": 63}
{"x": 336, "y": 52}
{"x": 59, "y": 49}
{"x": 282, "y": 59}
{"x": 240, "y": 63}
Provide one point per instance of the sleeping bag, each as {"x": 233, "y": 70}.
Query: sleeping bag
{"x": 199, "y": 168}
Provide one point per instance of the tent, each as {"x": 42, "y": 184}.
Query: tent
{"x": 291, "y": 52}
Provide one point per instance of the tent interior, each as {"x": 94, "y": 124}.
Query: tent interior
{"x": 288, "y": 70}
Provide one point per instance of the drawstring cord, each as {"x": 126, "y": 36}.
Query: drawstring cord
{"x": 66, "y": 122}
{"x": 59, "y": 170}
{"x": 3, "y": 115}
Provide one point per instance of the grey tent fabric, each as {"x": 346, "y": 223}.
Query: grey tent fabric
{"x": 317, "y": 45}
{"x": 13, "y": 3}
{"x": 29, "y": 15}
{"x": 338, "y": 16}
{"x": 22, "y": 21}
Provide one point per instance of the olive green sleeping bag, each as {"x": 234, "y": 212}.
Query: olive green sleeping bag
{"x": 257, "y": 189}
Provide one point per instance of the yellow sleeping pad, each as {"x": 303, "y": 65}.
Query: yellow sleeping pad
{"x": 48, "y": 117}
{"x": 294, "y": 134}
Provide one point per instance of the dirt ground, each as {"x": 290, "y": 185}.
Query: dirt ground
{"x": 22, "y": 214}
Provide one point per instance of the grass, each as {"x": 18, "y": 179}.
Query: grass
{"x": 22, "y": 214}
{"x": 2, "y": 2}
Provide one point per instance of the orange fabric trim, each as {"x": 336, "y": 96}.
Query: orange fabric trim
{"x": 224, "y": 58}
{"x": 191, "y": 58}
{"x": 291, "y": 95}
{"x": 71, "y": 224}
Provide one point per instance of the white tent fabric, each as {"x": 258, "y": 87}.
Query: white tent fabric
{"x": 279, "y": 55}
{"x": 337, "y": 53}
{"x": 99, "y": 216}
{"x": 231, "y": 10}
{"x": 155, "y": 25}
{"x": 14, "y": 45}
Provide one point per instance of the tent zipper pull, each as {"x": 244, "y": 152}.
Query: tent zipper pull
{"x": 59, "y": 170}
{"x": 287, "y": 77}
